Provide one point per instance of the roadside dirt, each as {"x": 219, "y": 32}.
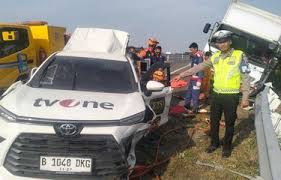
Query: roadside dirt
{"x": 186, "y": 143}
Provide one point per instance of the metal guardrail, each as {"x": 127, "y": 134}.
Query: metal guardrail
{"x": 268, "y": 147}
{"x": 178, "y": 57}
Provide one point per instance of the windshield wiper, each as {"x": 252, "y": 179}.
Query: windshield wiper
{"x": 74, "y": 81}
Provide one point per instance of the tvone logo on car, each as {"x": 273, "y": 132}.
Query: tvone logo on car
{"x": 70, "y": 103}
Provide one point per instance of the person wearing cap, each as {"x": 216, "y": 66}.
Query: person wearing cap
{"x": 231, "y": 75}
{"x": 193, "y": 90}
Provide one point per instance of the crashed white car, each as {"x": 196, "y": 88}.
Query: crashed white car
{"x": 80, "y": 114}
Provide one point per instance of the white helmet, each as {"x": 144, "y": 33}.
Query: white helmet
{"x": 222, "y": 36}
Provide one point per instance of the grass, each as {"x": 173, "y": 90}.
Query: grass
{"x": 244, "y": 156}
{"x": 187, "y": 146}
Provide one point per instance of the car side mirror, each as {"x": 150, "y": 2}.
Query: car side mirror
{"x": 33, "y": 71}
{"x": 154, "y": 86}
{"x": 207, "y": 28}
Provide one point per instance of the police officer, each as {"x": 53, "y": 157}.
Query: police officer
{"x": 230, "y": 77}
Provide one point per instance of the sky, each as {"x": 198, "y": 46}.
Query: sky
{"x": 175, "y": 23}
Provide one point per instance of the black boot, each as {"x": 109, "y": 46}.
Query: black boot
{"x": 226, "y": 152}
{"x": 212, "y": 148}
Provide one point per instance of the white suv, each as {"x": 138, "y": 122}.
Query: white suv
{"x": 80, "y": 114}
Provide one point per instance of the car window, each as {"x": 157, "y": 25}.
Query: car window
{"x": 84, "y": 74}
{"x": 50, "y": 75}
{"x": 12, "y": 40}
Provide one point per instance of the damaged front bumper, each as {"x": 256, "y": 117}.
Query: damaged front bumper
{"x": 111, "y": 148}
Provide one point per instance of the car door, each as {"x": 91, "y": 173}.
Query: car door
{"x": 159, "y": 102}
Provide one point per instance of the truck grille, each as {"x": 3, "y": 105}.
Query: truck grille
{"x": 23, "y": 158}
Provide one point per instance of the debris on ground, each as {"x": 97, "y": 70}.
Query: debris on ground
{"x": 221, "y": 168}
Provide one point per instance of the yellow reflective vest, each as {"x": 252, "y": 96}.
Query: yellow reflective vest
{"x": 227, "y": 72}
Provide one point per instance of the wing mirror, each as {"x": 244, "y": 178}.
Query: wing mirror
{"x": 207, "y": 28}
{"x": 154, "y": 86}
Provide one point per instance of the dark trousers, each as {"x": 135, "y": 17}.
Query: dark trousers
{"x": 227, "y": 104}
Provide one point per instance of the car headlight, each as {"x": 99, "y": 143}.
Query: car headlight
{"x": 6, "y": 115}
{"x": 137, "y": 118}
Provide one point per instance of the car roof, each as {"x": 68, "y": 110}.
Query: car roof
{"x": 94, "y": 55}
{"x": 98, "y": 40}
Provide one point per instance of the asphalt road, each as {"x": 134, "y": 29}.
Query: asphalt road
{"x": 178, "y": 67}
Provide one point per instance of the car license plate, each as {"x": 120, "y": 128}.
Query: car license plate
{"x": 66, "y": 164}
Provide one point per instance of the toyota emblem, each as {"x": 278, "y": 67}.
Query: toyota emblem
{"x": 67, "y": 129}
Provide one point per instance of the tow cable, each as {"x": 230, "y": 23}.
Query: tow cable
{"x": 140, "y": 170}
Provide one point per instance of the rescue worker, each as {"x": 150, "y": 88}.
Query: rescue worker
{"x": 130, "y": 51}
{"x": 230, "y": 69}
{"x": 132, "y": 54}
{"x": 155, "y": 73}
{"x": 158, "y": 75}
{"x": 205, "y": 87}
{"x": 150, "y": 50}
{"x": 158, "y": 57}
{"x": 140, "y": 55}
{"x": 193, "y": 90}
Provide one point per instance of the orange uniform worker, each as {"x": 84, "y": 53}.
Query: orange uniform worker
{"x": 150, "y": 50}
{"x": 206, "y": 82}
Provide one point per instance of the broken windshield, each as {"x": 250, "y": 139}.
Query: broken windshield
{"x": 85, "y": 74}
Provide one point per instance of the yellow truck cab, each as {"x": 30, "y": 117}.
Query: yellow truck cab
{"x": 24, "y": 46}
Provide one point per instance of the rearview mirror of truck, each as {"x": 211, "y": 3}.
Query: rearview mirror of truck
{"x": 207, "y": 28}
{"x": 273, "y": 45}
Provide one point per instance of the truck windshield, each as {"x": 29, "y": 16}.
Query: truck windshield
{"x": 85, "y": 74}
{"x": 12, "y": 40}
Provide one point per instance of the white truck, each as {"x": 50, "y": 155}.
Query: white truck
{"x": 257, "y": 33}
{"x": 81, "y": 113}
